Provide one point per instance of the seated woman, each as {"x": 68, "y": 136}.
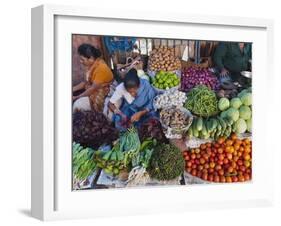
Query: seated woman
{"x": 132, "y": 101}
{"x": 97, "y": 80}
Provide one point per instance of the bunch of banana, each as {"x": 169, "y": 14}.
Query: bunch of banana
{"x": 112, "y": 161}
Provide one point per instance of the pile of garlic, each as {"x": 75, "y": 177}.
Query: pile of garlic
{"x": 170, "y": 98}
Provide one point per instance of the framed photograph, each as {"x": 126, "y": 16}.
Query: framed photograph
{"x": 136, "y": 112}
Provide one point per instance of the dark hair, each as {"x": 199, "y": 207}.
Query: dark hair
{"x": 88, "y": 51}
{"x": 131, "y": 79}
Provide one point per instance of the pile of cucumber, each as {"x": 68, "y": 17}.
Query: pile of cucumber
{"x": 213, "y": 127}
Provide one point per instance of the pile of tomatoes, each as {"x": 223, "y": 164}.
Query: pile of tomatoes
{"x": 223, "y": 161}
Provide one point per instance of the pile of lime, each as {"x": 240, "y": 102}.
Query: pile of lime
{"x": 165, "y": 80}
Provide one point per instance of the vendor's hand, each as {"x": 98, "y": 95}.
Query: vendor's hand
{"x": 136, "y": 117}
{"x": 117, "y": 111}
{"x": 224, "y": 72}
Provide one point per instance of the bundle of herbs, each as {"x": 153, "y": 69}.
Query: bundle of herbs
{"x": 166, "y": 162}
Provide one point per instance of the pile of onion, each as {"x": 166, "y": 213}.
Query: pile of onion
{"x": 192, "y": 77}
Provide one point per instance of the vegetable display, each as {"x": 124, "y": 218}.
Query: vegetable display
{"x": 91, "y": 129}
{"x": 138, "y": 175}
{"x": 170, "y": 98}
{"x": 223, "y": 104}
{"x": 130, "y": 144}
{"x": 111, "y": 161}
{"x": 191, "y": 103}
{"x": 192, "y": 77}
{"x": 202, "y": 101}
{"x": 152, "y": 129}
{"x": 227, "y": 89}
{"x": 175, "y": 119}
{"x": 163, "y": 58}
{"x": 212, "y": 127}
{"x": 166, "y": 162}
{"x": 235, "y": 103}
{"x": 225, "y": 160}
{"x": 240, "y": 112}
{"x": 83, "y": 164}
{"x": 165, "y": 80}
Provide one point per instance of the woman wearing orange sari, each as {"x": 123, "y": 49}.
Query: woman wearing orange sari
{"x": 97, "y": 81}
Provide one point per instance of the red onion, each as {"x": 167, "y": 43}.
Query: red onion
{"x": 192, "y": 77}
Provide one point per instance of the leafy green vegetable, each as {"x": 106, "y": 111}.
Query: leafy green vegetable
{"x": 249, "y": 125}
{"x": 223, "y": 104}
{"x": 240, "y": 126}
{"x": 232, "y": 113}
{"x": 245, "y": 112}
{"x": 130, "y": 145}
{"x": 82, "y": 161}
{"x": 235, "y": 102}
{"x": 246, "y": 99}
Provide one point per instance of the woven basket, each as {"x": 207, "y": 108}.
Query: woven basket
{"x": 188, "y": 64}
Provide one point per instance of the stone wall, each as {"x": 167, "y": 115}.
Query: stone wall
{"x": 77, "y": 40}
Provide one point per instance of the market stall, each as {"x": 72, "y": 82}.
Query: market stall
{"x": 202, "y": 133}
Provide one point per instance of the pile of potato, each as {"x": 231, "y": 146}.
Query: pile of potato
{"x": 163, "y": 58}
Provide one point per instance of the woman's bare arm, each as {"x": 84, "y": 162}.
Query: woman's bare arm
{"x": 79, "y": 86}
{"x": 90, "y": 90}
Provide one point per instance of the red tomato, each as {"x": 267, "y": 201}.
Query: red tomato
{"x": 210, "y": 177}
{"x": 241, "y": 178}
{"x": 221, "y": 172}
{"x": 228, "y": 179}
{"x": 193, "y": 172}
{"x": 205, "y": 176}
{"x": 218, "y": 167}
{"x": 234, "y": 178}
{"x": 221, "y": 156}
{"x": 229, "y": 156}
{"x": 189, "y": 163}
{"x": 225, "y": 161}
{"x": 216, "y": 179}
{"x": 202, "y": 161}
{"x": 212, "y": 164}
{"x": 230, "y": 169}
{"x": 222, "y": 179}
{"x": 200, "y": 167}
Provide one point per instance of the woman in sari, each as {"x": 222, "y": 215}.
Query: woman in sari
{"x": 132, "y": 101}
{"x": 97, "y": 81}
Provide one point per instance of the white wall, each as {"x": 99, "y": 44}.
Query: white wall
{"x": 15, "y": 111}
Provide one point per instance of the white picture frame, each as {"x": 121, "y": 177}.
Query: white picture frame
{"x": 52, "y": 197}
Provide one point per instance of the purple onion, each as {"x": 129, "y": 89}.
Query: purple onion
{"x": 192, "y": 77}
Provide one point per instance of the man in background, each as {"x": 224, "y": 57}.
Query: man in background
{"x": 230, "y": 58}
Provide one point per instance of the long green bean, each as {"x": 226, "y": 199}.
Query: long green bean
{"x": 202, "y": 101}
